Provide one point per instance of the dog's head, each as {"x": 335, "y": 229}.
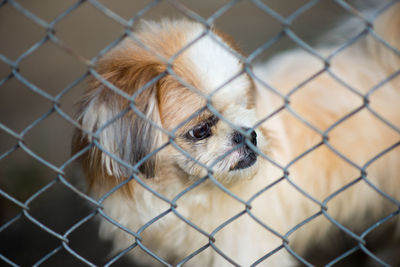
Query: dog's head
{"x": 184, "y": 116}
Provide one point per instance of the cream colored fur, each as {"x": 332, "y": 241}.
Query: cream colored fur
{"x": 321, "y": 172}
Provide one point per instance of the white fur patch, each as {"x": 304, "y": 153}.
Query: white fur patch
{"x": 95, "y": 116}
{"x": 214, "y": 65}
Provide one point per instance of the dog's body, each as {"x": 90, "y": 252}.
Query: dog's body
{"x": 311, "y": 164}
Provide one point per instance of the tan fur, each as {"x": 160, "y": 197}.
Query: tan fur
{"x": 319, "y": 171}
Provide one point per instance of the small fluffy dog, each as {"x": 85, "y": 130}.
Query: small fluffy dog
{"x": 222, "y": 170}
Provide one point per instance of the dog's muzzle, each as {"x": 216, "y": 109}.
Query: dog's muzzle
{"x": 247, "y": 156}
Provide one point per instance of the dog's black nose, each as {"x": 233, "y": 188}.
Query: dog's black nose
{"x": 238, "y": 138}
{"x": 254, "y": 138}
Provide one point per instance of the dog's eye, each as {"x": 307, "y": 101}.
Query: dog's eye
{"x": 200, "y": 132}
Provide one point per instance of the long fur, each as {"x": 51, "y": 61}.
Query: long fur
{"x": 117, "y": 137}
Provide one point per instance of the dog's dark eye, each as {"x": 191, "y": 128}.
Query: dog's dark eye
{"x": 200, "y": 132}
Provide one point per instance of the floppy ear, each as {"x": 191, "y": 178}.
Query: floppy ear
{"x": 121, "y": 131}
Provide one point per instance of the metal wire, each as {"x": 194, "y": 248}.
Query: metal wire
{"x": 50, "y": 36}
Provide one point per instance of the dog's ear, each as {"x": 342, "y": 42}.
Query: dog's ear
{"x": 108, "y": 117}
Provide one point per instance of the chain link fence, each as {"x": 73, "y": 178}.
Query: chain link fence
{"x": 47, "y": 216}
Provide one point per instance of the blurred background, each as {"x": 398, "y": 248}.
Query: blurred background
{"x": 85, "y": 31}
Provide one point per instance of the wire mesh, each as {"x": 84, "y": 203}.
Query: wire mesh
{"x": 63, "y": 243}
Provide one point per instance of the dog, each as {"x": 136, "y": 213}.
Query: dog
{"x": 212, "y": 163}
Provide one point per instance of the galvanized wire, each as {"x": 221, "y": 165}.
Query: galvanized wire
{"x": 128, "y": 25}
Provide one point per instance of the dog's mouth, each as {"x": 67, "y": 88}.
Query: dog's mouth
{"x": 246, "y": 162}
